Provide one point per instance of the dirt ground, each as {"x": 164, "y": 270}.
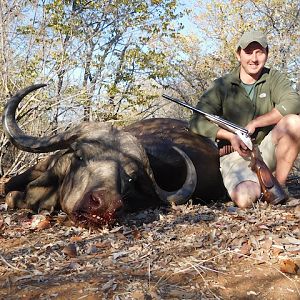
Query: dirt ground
{"x": 186, "y": 252}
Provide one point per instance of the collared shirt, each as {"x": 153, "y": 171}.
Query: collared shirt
{"x": 228, "y": 99}
{"x": 250, "y": 89}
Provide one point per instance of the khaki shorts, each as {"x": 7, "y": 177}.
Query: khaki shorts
{"x": 236, "y": 169}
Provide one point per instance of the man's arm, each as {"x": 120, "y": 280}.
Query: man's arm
{"x": 210, "y": 102}
{"x": 236, "y": 143}
{"x": 284, "y": 96}
{"x": 270, "y": 118}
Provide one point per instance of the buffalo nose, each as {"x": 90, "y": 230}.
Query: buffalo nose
{"x": 96, "y": 199}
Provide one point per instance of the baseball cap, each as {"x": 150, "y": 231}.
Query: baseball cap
{"x": 252, "y": 36}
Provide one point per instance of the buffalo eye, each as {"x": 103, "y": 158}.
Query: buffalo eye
{"x": 78, "y": 155}
{"x": 127, "y": 183}
{"x": 131, "y": 178}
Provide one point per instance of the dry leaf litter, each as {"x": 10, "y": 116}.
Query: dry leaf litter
{"x": 214, "y": 251}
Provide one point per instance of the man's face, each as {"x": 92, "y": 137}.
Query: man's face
{"x": 252, "y": 59}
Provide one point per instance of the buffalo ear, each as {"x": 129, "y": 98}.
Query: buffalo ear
{"x": 42, "y": 193}
{"x": 15, "y": 199}
{"x": 19, "y": 182}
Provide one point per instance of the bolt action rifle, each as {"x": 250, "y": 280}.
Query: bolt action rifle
{"x": 271, "y": 190}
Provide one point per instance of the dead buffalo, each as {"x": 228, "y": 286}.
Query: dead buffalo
{"x": 100, "y": 170}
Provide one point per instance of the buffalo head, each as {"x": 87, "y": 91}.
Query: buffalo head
{"x": 95, "y": 171}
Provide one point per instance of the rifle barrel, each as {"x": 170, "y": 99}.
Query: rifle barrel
{"x": 210, "y": 117}
{"x": 185, "y": 104}
{"x": 240, "y": 131}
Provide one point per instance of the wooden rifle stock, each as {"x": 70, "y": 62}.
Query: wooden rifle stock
{"x": 271, "y": 190}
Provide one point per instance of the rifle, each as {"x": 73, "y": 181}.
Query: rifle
{"x": 241, "y": 132}
{"x": 271, "y": 190}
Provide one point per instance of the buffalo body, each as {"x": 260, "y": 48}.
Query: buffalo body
{"x": 98, "y": 171}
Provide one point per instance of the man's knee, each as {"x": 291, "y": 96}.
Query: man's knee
{"x": 288, "y": 125}
{"x": 245, "y": 194}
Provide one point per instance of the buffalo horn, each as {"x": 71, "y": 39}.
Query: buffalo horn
{"x": 26, "y": 142}
{"x": 182, "y": 195}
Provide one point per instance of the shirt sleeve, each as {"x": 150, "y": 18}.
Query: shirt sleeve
{"x": 286, "y": 99}
{"x": 210, "y": 102}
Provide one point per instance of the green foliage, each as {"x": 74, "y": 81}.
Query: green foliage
{"x": 225, "y": 21}
{"x": 106, "y": 60}
{"x": 105, "y": 48}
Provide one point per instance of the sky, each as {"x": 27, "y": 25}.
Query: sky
{"x": 189, "y": 27}
{"x": 208, "y": 46}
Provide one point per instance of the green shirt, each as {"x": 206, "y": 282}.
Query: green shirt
{"x": 250, "y": 88}
{"x": 228, "y": 99}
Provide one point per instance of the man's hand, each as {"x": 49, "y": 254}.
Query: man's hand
{"x": 236, "y": 143}
{"x": 270, "y": 118}
{"x": 251, "y": 127}
{"x": 239, "y": 146}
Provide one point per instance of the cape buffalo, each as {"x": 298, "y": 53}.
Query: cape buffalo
{"x": 101, "y": 170}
